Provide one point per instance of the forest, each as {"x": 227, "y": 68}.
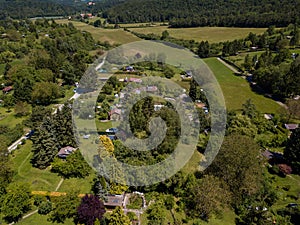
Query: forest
{"x": 193, "y": 13}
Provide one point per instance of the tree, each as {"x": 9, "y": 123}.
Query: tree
{"x": 63, "y": 126}
{"x": 243, "y": 125}
{"x": 16, "y": 202}
{"x": 65, "y": 207}
{"x": 45, "y": 146}
{"x": 6, "y": 172}
{"x": 90, "y": 209}
{"x": 292, "y": 153}
{"x": 249, "y": 109}
{"x": 156, "y": 213}
{"x": 37, "y": 116}
{"x": 117, "y": 217}
{"x": 97, "y": 23}
{"x": 44, "y": 93}
{"x": 206, "y": 197}
{"x": 164, "y": 35}
{"x": 203, "y": 49}
{"x": 22, "y": 109}
{"x": 248, "y": 62}
{"x": 74, "y": 166}
{"x": 238, "y": 164}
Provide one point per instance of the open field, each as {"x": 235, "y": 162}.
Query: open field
{"x": 210, "y": 34}
{"x": 41, "y": 219}
{"x": 236, "y": 90}
{"x": 43, "y": 180}
{"x": 113, "y": 36}
{"x": 240, "y": 58}
{"x": 8, "y": 118}
{"x": 40, "y": 180}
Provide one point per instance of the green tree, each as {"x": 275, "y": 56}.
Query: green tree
{"x": 156, "y": 213}
{"x": 164, "y": 35}
{"x": 117, "y": 217}
{"x": 45, "y": 93}
{"x": 16, "y": 202}
{"x": 291, "y": 152}
{"x": 97, "y": 23}
{"x": 241, "y": 124}
{"x": 238, "y": 164}
{"x": 74, "y": 166}
{"x": 45, "y": 146}
{"x": 206, "y": 197}
{"x": 249, "y": 109}
{"x": 22, "y": 109}
{"x": 65, "y": 207}
{"x": 203, "y": 49}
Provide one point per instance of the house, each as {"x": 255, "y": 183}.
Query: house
{"x": 115, "y": 114}
{"x": 129, "y": 69}
{"x": 268, "y": 116}
{"x": 273, "y": 157}
{"x": 151, "y": 89}
{"x": 158, "y": 107}
{"x": 291, "y": 127}
{"x": 135, "y": 80}
{"x": 64, "y": 152}
{"x": 113, "y": 201}
{"x": 7, "y": 89}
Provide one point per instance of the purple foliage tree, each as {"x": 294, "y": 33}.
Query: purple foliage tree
{"x": 90, "y": 209}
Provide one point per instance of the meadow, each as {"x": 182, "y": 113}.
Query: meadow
{"x": 113, "y": 36}
{"x": 236, "y": 90}
{"x": 210, "y": 34}
{"x": 43, "y": 180}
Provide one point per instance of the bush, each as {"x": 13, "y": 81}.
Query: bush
{"x": 38, "y": 200}
{"x": 45, "y": 208}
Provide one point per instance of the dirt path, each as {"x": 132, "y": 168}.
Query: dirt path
{"x": 59, "y": 184}
{"x": 228, "y": 66}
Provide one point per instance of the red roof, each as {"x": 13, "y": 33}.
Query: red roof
{"x": 7, "y": 89}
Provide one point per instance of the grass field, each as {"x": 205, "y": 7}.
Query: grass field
{"x": 41, "y": 219}
{"x": 40, "y": 180}
{"x": 236, "y": 90}
{"x": 43, "y": 180}
{"x": 240, "y": 58}
{"x": 113, "y": 36}
{"x": 211, "y": 34}
{"x": 8, "y": 118}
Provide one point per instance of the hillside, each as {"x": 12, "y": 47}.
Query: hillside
{"x": 32, "y": 8}
{"x": 191, "y": 13}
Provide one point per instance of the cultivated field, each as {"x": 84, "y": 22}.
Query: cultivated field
{"x": 236, "y": 90}
{"x": 211, "y": 34}
{"x": 113, "y": 36}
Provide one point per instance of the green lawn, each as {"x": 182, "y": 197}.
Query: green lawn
{"x": 42, "y": 220}
{"x": 40, "y": 180}
{"x": 236, "y": 90}
{"x": 240, "y": 58}
{"x": 210, "y": 34}
{"x": 113, "y": 36}
{"x": 43, "y": 180}
{"x": 83, "y": 185}
{"x": 286, "y": 196}
{"x": 8, "y": 118}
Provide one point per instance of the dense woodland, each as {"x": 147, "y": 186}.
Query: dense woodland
{"x": 195, "y": 13}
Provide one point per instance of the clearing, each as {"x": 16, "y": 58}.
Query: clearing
{"x": 236, "y": 90}
{"x": 210, "y": 34}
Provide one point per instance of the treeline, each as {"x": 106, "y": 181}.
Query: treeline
{"x": 193, "y": 13}
{"x": 36, "y": 8}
